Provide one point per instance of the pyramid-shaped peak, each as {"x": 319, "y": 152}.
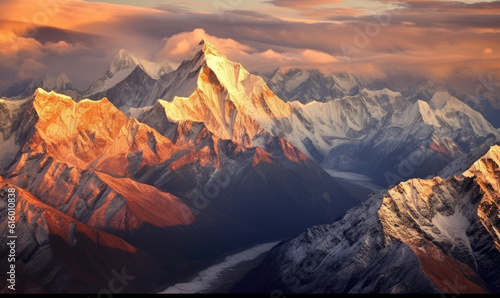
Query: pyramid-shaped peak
{"x": 208, "y": 48}
{"x": 205, "y": 41}
{"x": 202, "y": 51}
{"x": 63, "y": 79}
{"x": 121, "y": 61}
{"x": 125, "y": 55}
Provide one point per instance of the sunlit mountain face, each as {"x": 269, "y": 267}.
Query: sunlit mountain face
{"x": 271, "y": 147}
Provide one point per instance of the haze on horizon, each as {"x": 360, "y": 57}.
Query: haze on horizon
{"x": 443, "y": 41}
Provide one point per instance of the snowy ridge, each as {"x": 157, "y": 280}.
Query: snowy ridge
{"x": 336, "y": 127}
{"x": 90, "y": 134}
{"x": 133, "y": 83}
{"x": 124, "y": 60}
{"x": 238, "y": 106}
{"x": 121, "y": 69}
{"x": 327, "y": 131}
{"x": 458, "y": 114}
{"x": 311, "y": 85}
{"x": 461, "y": 164}
{"x": 421, "y": 236}
{"x": 156, "y": 70}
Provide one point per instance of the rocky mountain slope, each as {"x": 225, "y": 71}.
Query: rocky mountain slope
{"x": 421, "y": 236}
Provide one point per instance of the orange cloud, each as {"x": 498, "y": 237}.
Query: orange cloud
{"x": 24, "y": 54}
{"x": 64, "y": 14}
{"x": 406, "y": 23}
{"x": 315, "y": 11}
{"x": 487, "y": 51}
{"x": 318, "y": 57}
{"x": 11, "y": 43}
{"x": 303, "y": 3}
{"x": 62, "y": 47}
{"x": 459, "y": 38}
{"x": 179, "y": 46}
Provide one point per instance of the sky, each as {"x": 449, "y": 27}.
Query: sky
{"x": 444, "y": 41}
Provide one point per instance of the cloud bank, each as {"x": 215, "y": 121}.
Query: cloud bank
{"x": 438, "y": 40}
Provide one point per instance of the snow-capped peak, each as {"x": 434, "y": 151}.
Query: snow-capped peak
{"x": 60, "y": 82}
{"x": 208, "y": 48}
{"x": 126, "y": 67}
{"x": 155, "y": 70}
{"x": 441, "y": 98}
{"x": 123, "y": 60}
{"x": 345, "y": 81}
{"x": 203, "y": 49}
{"x": 62, "y": 79}
{"x": 231, "y": 102}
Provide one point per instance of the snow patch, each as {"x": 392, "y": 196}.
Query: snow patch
{"x": 454, "y": 225}
{"x": 454, "y": 228}
{"x": 103, "y": 85}
{"x": 137, "y": 112}
{"x": 155, "y": 70}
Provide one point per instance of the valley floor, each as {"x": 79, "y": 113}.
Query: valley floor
{"x": 220, "y": 277}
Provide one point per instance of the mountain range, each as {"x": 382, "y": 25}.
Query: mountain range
{"x": 158, "y": 190}
{"x": 335, "y": 120}
{"x": 159, "y": 171}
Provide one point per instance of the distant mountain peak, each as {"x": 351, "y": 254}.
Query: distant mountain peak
{"x": 63, "y": 77}
{"x": 123, "y": 60}
{"x": 156, "y": 69}
{"x": 442, "y": 98}
{"x": 59, "y": 82}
